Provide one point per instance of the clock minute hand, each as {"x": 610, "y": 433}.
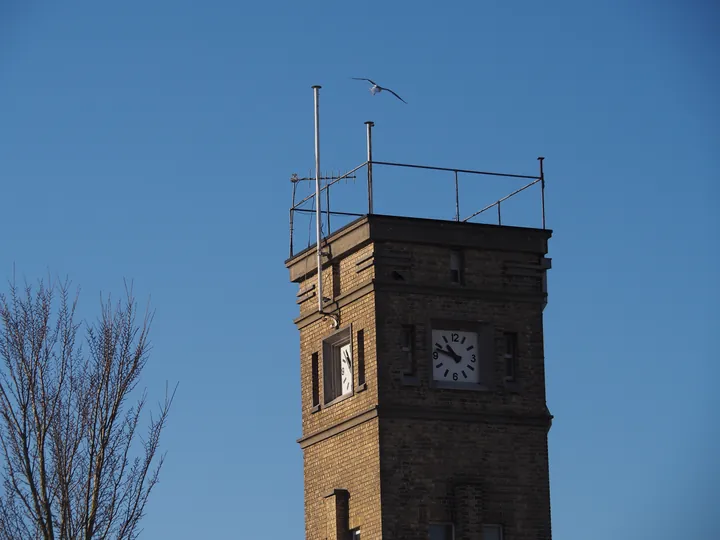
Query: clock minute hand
{"x": 454, "y": 355}
{"x": 446, "y": 353}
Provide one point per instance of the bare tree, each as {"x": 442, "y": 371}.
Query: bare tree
{"x": 75, "y": 466}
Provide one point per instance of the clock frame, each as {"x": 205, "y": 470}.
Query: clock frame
{"x": 467, "y": 363}
{"x": 338, "y": 368}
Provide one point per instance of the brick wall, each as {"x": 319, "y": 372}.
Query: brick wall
{"x": 358, "y": 316}
{"x": 462, "y": 456}
{"x": 432, "y": 470}
{"x": 409, "y": 453}
{"x": 351, "y": 461}
{"x": 396, "y": 309}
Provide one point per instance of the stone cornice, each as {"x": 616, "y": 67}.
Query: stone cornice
{"x": 445, "y": 414}
{"x": 342, "y": 301}
{"x": 448, "y": 291}
{"x": 339, "y": 427}
{"x": 491, "y": 295}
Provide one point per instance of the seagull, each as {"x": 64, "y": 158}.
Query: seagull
{"x": 376, "y": 88}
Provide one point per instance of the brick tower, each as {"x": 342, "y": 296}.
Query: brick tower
{"x": 423, "y": 382}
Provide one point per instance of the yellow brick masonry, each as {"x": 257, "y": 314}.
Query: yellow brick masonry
{"x": 349, "y": 460}
{"x": 402, "y": 472}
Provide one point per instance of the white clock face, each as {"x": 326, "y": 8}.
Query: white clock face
{"x": 346, "y": 372}
{"x": 455, "y": 356}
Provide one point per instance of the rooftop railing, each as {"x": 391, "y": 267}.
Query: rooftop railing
{"x": 369, "y": 165}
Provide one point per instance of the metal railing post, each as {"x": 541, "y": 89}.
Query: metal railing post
{"x": 369, "y": 125}
{"x": 318, "y": 211}
{"x": 294, "y": 181}
{"x": 327, "y": 204}
{"x": 542, "y": 189}
{"x": 457, "y": 198}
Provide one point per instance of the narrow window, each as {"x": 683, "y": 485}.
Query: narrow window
{"x": 315, "y": 379}
{"x": 511, "y": 360}
{"x": 408, "y": 349}
{"x": 336, "y": 286}
{"x": 456, "y": 266}
{"x": 355, "y": 534}
{"x": 441, "y": 531}
{"x": 492, "y": 532}
{"x": 337, "y": 366}
{"x": 361, "y": 356}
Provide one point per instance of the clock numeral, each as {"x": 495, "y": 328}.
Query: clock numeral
{"x": 455, "y": 337}
{"x": 455, "y": 376}
{"x": 473, "y": 359}
{"x": 435, "y": 355}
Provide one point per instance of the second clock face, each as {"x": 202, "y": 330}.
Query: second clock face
{"x": 455, "y": 356}
{"x": 346, "y": 371}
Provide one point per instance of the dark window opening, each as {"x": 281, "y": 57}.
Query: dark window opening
{"x": 407, "y": 346}
{"x": 315, "y": 366}
{"x": 361, "y": 356}
{"x": 492, "y": 532}
{"x": 336, "y": 286}
{"x": 456, "y": 263}
{"x": 511, "y": 359}
{"x": 441, "y": 531}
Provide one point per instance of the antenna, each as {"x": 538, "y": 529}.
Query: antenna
{"x": 369, "y": 166}
{"x": 318, "y": 213}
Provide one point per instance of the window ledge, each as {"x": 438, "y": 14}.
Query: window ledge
{"x": 410, "y": 380}
{"x": 460, "y": 386}
{"x": 338, "y": 399}
{"x": 358, "y": 389}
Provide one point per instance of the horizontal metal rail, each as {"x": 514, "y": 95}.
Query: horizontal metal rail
{"x": 501, "y": 200}
{"x": 341, "y": 177}
{"x": 370, "y": 162}
{"x": 294, "y": 179}
{"x": 466, "y": 171}
{"x": 333, "y": 213}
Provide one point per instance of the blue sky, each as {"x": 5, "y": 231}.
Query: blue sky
{"x": 154, "y": 141}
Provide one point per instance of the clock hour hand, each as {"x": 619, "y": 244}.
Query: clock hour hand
{"x": 446, "y": 353}
{"x": 453, "y": 354}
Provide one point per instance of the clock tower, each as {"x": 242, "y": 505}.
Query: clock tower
{"x": 423, "y": 381}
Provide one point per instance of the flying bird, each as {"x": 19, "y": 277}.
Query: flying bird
{"x": 376, "y": 88}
